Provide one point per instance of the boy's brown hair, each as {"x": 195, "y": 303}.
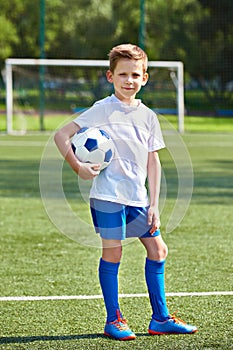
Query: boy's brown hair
{"x": 130, "y": 51}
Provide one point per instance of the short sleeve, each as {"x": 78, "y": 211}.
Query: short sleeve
{"x": 155, "y": 141}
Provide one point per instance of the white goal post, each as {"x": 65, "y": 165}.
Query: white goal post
{"x": 176, "y": 73}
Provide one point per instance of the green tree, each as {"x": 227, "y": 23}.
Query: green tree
{"x": 8, "y": 36}
{"x": 171, "y": 29}
{"x": 199, "y": 33}
{"x": 213, "y": 64}
{"x": 85, "y": 31}
{"x": 8, "y": 30}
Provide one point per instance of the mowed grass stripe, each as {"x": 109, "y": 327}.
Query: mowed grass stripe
{"x": 10, "y": 143}
{"x": 213, "y": 140}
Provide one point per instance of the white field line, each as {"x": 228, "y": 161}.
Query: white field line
{"x": 89, "y": 297}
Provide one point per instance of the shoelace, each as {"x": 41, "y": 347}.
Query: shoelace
{"x": 176, "y": 319}
{"x": 120, "y": 323}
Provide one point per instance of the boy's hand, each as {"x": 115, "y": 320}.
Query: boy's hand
{"x": 153, "y": 219}
{"x": 88, "y": 171}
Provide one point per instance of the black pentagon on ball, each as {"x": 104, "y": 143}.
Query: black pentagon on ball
{"x": 108, "y": 156}
{"x": 91, "y": 144}
{"x": 73, "y": 147}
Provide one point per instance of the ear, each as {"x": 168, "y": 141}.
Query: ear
{"x": 109, "y": 76}
{"x": 145, "y": 79}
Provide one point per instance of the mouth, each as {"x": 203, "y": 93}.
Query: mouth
{"x": 128, "y": 88}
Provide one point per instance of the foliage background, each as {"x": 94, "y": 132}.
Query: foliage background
{"x": 197, "y": 32}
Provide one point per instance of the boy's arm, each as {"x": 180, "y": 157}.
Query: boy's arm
{"x": 154, "y": 181}
{"x": 62, "y": 139}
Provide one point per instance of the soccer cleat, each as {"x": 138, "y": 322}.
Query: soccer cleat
{"x": 119, "y": 329}
{"x": 173, "y": 325}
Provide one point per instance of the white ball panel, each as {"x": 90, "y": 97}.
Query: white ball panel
{"x": 82, "y": 154}
{"x": 97, "y": 155}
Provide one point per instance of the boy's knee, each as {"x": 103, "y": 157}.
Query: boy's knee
{"x": 161, "y": 253}
{"x": 115, "y": 256}
{"x": 112, "y": 254}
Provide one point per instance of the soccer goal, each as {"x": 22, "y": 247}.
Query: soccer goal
{"x": 40, "y": 90}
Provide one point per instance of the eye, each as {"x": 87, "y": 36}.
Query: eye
{"x": 136, "y": 75}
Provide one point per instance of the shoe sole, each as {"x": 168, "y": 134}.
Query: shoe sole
{"x": 166, "y": 333}
{"x": 130, "y": 337}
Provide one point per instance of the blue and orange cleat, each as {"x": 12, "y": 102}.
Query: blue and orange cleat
{"x": 119, "y": 329}
{"x": 173, "y": 325}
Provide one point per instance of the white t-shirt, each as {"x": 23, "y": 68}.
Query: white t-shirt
{"x": 135, "y": 131}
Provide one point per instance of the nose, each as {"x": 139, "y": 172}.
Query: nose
{"x": 129, "y": 79}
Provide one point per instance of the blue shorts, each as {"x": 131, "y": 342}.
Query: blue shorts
{"x": 119, "y": 221}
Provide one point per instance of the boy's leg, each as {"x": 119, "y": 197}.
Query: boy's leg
{"x": 108, "y": 276}
{"x": 161, "y": 322}
{"x": 116, "y": 327}
{"x": 108, "y": 219}
{"x": 154, "y": 273}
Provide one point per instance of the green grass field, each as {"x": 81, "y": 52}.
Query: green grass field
{"x": 38, "y": 260}
{"x": 23, "y": 122}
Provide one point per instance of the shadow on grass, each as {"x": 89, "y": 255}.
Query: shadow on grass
{"x": 31, "y": 339}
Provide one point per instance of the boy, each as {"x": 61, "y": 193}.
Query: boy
{"x": 120, "y": 205}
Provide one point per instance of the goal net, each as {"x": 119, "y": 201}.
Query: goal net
{"x": 43, "y": 93}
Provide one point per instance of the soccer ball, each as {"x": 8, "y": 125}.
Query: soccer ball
{"x": 93, "y": 145}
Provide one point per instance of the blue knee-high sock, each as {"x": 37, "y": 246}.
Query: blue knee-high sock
{"x": 108, "y": 277}
{"x": 154, "y": 272}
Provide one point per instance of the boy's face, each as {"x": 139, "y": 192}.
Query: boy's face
{"x": 127, "y": 78}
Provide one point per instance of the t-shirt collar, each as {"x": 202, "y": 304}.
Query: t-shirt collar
{"x": 115, "y": 99}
